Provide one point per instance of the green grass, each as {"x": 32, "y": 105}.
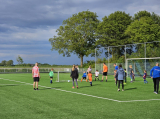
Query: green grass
{"x": 20, "y": 101}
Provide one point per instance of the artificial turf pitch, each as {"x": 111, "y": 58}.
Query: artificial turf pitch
{"x": 18, "y": 100}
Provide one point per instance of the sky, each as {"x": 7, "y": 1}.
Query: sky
{"x": 27, "y": 25}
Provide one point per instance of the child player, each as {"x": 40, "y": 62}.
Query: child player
{"x": 125, "y": 76}
{"x": 90, "y": 77}
{"x": 51, "y": 75}
{"x": 115, "y": 78}
{"x": 96, "y": 75}
{"x": 144, "y": 77}
{"x": 84, "y": 76}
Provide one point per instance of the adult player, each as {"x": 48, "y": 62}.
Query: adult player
{"x": 155, "y": 74}
{"x": 105, "y": 70}
{"x": 35, "y": 75}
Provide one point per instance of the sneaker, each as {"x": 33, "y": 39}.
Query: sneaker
{"x": 77, "y": 87}
{"x": 34, "y": 89}
{"x": 154, "y": 92}
{"x": 118, "y": 90}
{"x": 122, "y": 89}
{"x": 73, "y": 87}
{"x": 37, "y": 89}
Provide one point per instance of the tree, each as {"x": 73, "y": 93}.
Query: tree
{"x": 19, "y": 60}
{"x": 9, "y": 63}
{"x": 145, "y": 30}
{"x": 3, "y": 63}
{"x": 76, "y": 35}
{"x": 111, "y": 32}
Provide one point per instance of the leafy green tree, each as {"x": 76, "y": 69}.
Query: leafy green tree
{"x": 111, "y": 32}
{"x": 9, "y": 63}
{"x": 3, "y": 63}
{"x": 19, "y": 60}
{"x": 77, "y": 35}
{"x": 144, "y": 30}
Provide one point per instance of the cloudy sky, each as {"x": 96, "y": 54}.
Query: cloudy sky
{"x": 27, "y": 25}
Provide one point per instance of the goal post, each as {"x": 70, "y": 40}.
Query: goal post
{"x": 141, "y": 64}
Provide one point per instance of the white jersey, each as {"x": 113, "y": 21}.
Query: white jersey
{"x": 96, "y": 73}
{"x": 89, "y": 70}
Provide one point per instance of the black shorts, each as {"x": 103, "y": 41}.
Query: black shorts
{"x": 51, "y": 77}
{"x": 96, "y": 76}
{"x": 84, "y": 77}
{"x": 104, "y": 73}
{"x": 36, "y": 79}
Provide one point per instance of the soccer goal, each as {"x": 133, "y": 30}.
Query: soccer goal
{"x": 64, "y": 76}
{"x": 141, "y": 64}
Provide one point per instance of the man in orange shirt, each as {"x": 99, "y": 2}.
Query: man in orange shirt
{"x": 105, "y": 70}
{"x": 90, "y": 77}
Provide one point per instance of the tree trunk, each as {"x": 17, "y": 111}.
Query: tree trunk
{"x": 81, "y": 60}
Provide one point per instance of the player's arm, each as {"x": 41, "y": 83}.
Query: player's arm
{"x": 32, "y": 73}
{"x": 151, "y": 72}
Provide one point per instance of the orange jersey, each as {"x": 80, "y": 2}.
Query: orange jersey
{"x": 90, "y": 77}
{"x": 105, "y": 68}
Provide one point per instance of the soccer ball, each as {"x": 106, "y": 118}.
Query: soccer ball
{"x": 68, "y": 80}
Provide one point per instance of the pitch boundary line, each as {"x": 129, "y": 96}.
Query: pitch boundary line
{"x": 85, "y": 94}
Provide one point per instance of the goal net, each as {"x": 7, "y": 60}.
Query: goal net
{"x": 141, "y": 64}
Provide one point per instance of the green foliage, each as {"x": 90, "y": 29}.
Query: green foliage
{"x": 3, "y": 63}
{"x": 19, "y": 60}
{"x": 9, "y": 63}
{"x": 77, "y": 35}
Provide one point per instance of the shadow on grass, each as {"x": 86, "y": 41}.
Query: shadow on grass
{"x": 89, "y": 85}
{"x": 9, "y": 85}
{"x": 131, "y": 88}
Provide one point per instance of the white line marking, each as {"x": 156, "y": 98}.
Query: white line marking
{"x": 84, "y": 94}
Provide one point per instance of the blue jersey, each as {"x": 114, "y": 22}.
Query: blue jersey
{"x": 84, "y": 75}
{"x": 155, "y": 72}
{"x": 116, "y": 67}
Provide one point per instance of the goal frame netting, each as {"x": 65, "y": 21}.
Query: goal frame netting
{"x": 134, "y": 59}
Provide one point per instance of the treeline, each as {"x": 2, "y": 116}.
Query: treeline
{"x": 82, "y": 32}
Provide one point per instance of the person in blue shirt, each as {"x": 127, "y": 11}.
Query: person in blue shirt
{"x": 155, "y": 74}
{"x": 84, "y": 76}
{"x": 115, "y": 71}
{"x": 116, "y": 67}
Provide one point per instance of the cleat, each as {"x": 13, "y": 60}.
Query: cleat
{"x": 34, "y": 89}
{"x": 118, "y": 90}
{"x": 122, "y": 89}
{"x": 37, "y": 89}
{"x": 73, "y": 87}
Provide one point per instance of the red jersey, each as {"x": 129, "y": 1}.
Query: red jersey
{"x": 35, "y": 71}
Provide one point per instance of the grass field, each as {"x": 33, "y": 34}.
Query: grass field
{"x": 18, "y": 100}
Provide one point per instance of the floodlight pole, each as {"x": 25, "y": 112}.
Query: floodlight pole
{"x": 125, "y": 57}
{"x": 145, "y": 54}
{"x": 108, "y": 58}
{"x": 95, "y": 59}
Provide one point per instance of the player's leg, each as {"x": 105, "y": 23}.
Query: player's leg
{"x": 102, "y": 76}
{"x": 157, "y": 82}
{"x": 73, "y": 82}
{"x": 122, "y": 86}
{"x": 106, "y": 77}
{"x": 118, "y": 85}
{"x": 154, "y": 81}
{"x": 131, "y": 77}
{"x": 51, "y": 79}
{"x": 37, "y": 85}
{"x": 34, "y": 85}
{"x": 95, "y": 78}
{"x": 76, "y": 82}
{"x": 81, "y": 78}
